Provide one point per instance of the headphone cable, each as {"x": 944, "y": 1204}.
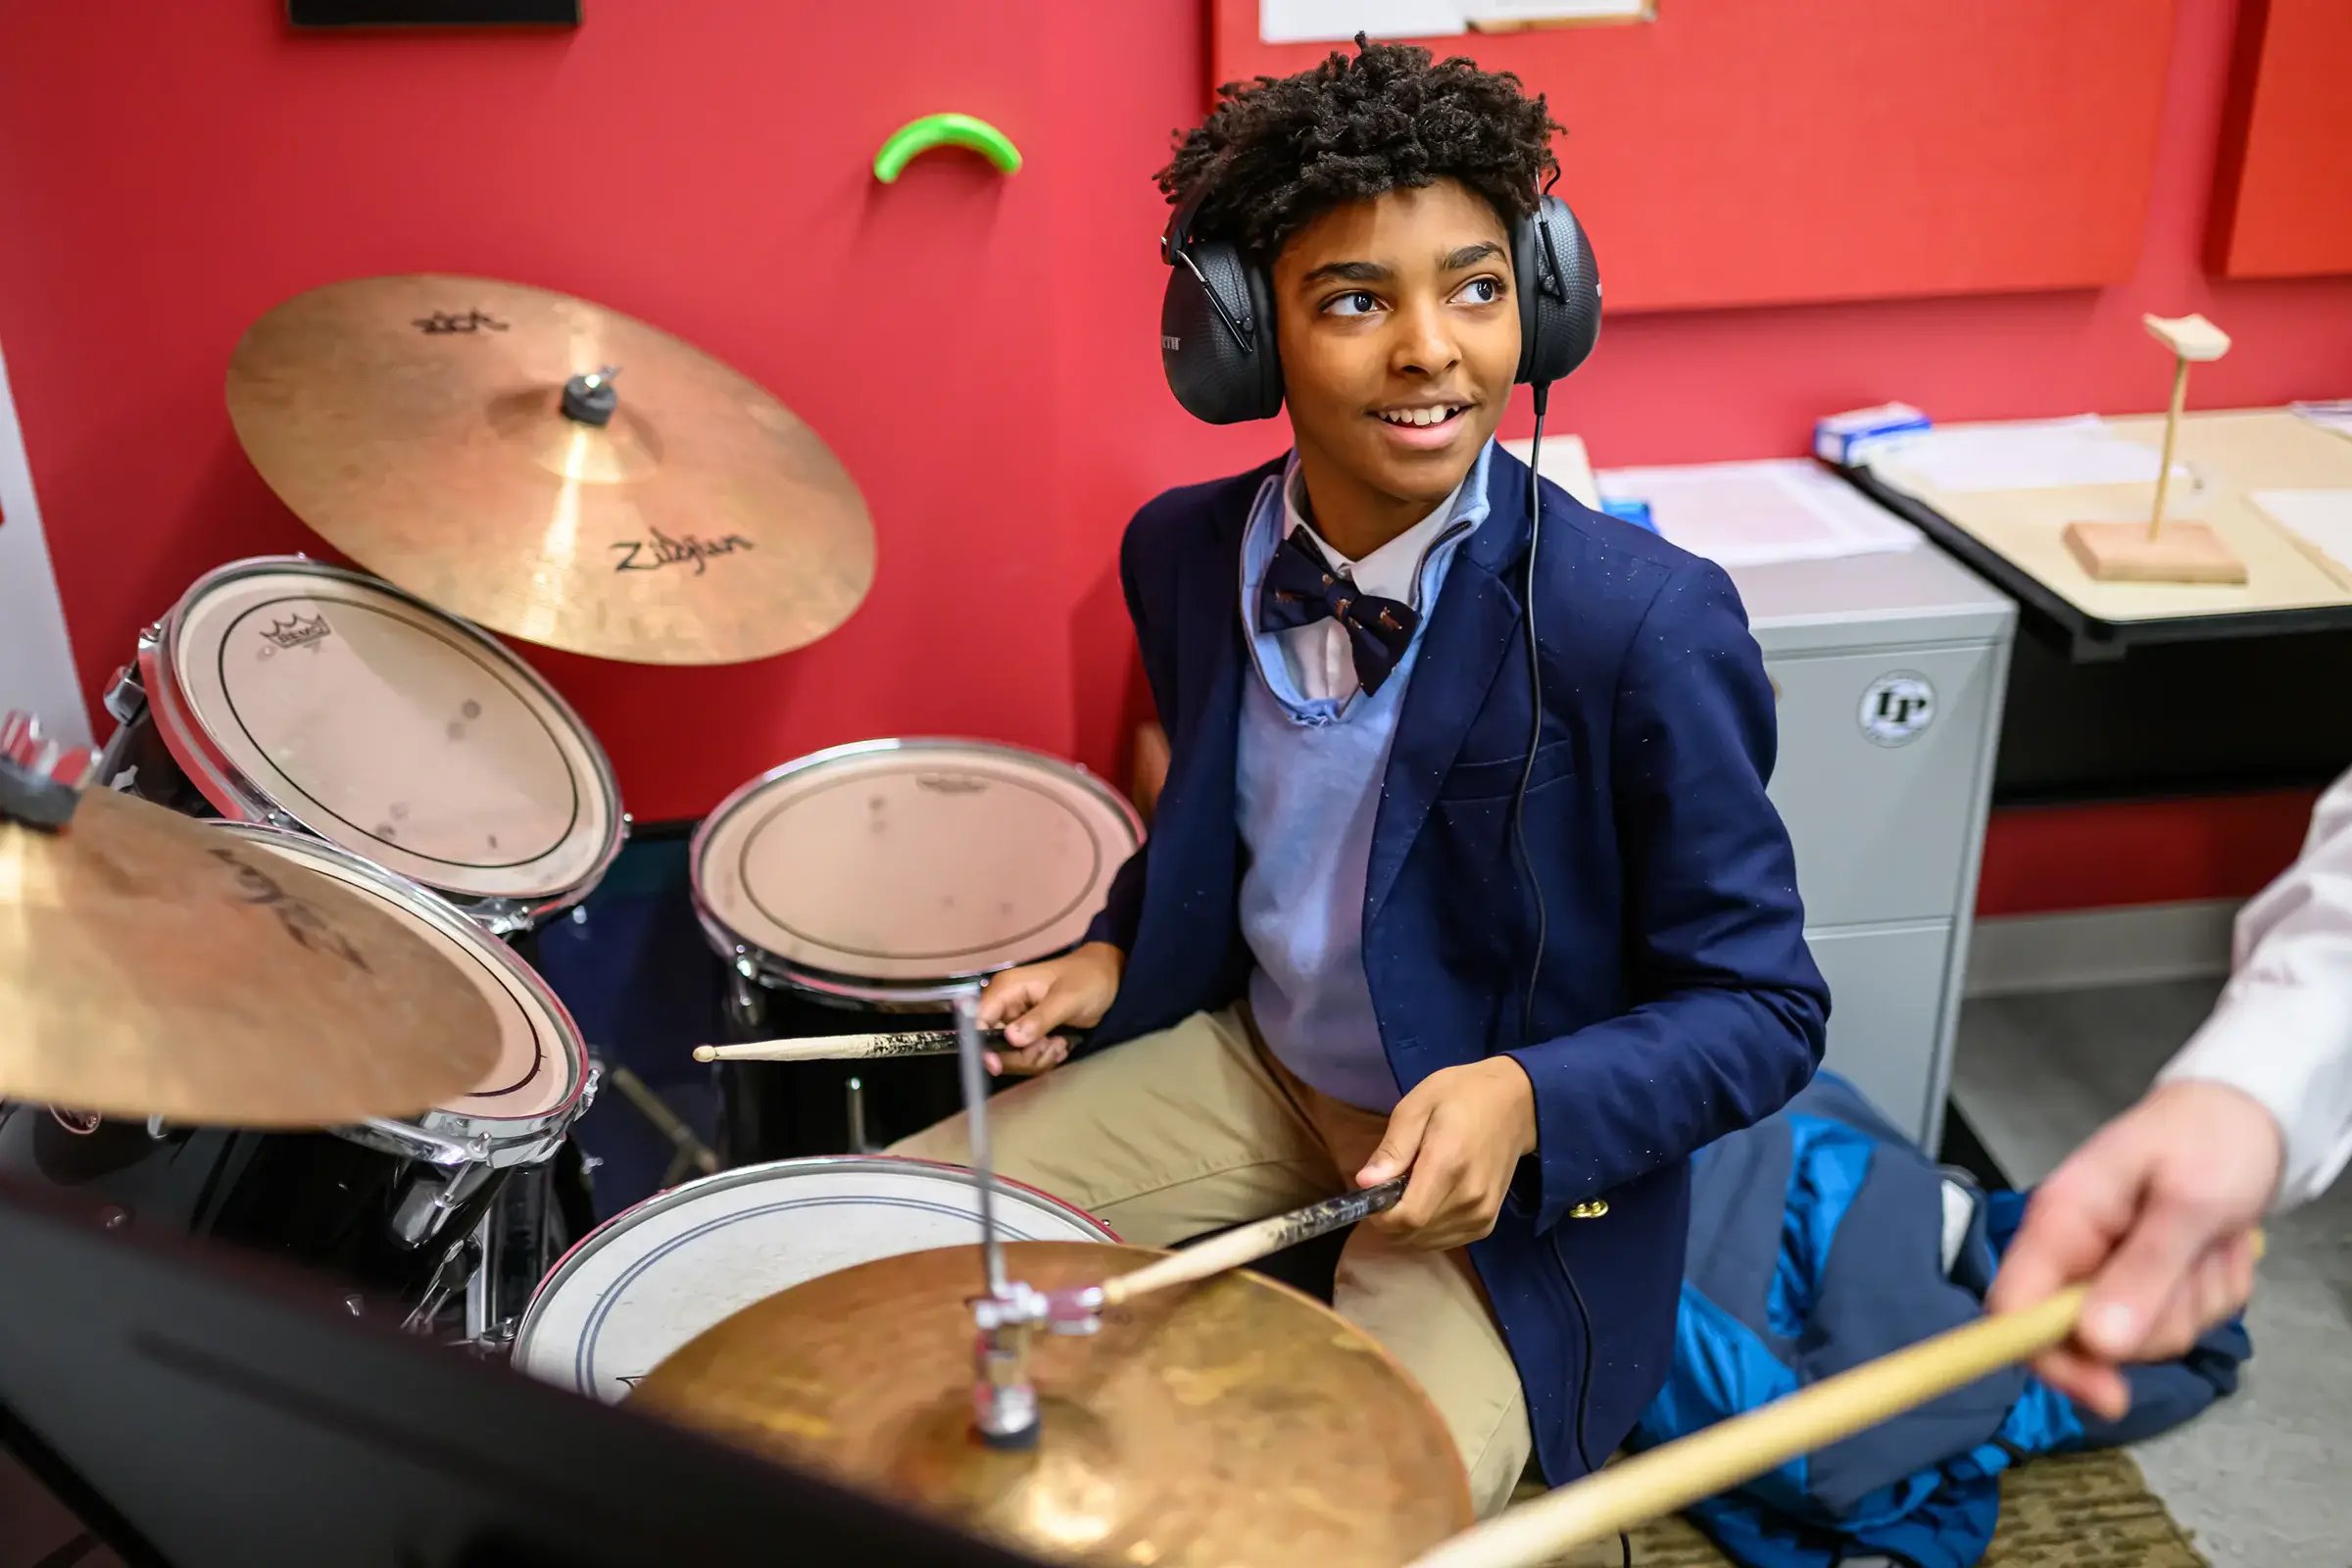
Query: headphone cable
{"x": 1542, "y": 391}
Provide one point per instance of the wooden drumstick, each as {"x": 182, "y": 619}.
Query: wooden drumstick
{"x": 860, "y": 1048}
{"x": 1674, "y": 1475}
{"x": 1250, "y": 1243}
{"x": 837, "y": 1047}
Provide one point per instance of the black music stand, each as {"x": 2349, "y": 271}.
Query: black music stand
{"x": 198, "y": 1409}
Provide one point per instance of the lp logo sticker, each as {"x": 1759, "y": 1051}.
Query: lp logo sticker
{"x": 1896, "y": 708}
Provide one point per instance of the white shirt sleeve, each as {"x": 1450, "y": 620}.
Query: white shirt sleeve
{"x": 2282, "y": 1030}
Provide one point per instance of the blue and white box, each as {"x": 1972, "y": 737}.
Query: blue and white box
{"x": 1844, "y": 439}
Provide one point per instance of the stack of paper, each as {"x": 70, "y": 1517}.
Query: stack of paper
{"x": 1757, "y": 513}
{"x": 2334, "y": 415}
{"x": 1565, "y": 463}
{"x": 2043, "y": 454}
{"x": 2321, "y": 518}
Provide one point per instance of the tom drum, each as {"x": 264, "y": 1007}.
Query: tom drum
{"x": 879, "y": 879}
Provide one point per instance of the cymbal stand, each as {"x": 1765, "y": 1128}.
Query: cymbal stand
{"x": 1007, "y": 1311}
{"x": 41, "y": 780}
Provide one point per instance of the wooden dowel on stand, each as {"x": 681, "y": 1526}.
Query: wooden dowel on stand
{"x": 2187, "y": 552}
{"x": 2171, "y": 432}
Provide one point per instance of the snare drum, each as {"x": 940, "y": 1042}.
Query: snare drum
{"x": 386, "y": 1208}
{"x": 312, "y": 698}
{"x": 653, "y": 1277}
{"x": 884, "y": 877}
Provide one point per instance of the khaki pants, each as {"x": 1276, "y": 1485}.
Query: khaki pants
{"x": 1198, "y": 1128}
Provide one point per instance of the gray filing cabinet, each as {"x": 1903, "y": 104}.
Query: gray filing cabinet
{"x": 1888, "y": 670}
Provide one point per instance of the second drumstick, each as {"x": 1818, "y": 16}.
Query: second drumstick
{"x": 858, "y": 1048}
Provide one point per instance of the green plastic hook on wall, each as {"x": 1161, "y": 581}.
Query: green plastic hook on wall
{"x": 918, "y": 136}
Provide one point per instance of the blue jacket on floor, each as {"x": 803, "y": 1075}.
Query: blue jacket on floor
{"x": 1818, "y": 1243}
{"x": 1678, "y": 1001}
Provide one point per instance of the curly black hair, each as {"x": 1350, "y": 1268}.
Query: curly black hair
{"x": 1277, "y": 151}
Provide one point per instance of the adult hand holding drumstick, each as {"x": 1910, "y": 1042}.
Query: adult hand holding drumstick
{"x": 1674, "y": 1475}
{"x": 2253, "y": 1117}
{"x": 2156, "y": 1214}
{"x": 1030, "y": 1003}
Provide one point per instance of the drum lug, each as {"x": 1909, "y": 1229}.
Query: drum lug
{"x": 420, "y": 1218}
{"x": 595, "y": 1081}
{"x": 500, "y": 917}
{"x": 857, "y": 1094}
{"x": 401, "y": 1137}
{"x": 125, "y": 696}
{"x": 479, "y": 1252}
{"x": 744, "y": 989}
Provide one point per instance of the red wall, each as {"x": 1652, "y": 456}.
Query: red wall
{"x": 1951, "y": 149}
{"x": 2283, "y": 202}
{"x": 978, "y": 348}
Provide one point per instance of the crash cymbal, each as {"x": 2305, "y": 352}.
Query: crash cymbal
{"x": 152, "y": 965}
{"x": 1234, "y": 1422}
{"x": 419, "y": 424}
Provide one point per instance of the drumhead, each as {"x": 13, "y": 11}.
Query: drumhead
{"x": 384, "y": 726}
{"x": 650, "y": 1279}
{"x": 542, "y": 1062}
{"x": 911, "y": 863}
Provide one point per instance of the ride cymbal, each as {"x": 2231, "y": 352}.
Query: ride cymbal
{"x": 445, "y": 433}
{"x": 156, "y": 967}
{"x": 1234, "y": 1422}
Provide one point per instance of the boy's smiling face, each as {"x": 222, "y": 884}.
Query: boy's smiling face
{"x": 1399, "y": 330}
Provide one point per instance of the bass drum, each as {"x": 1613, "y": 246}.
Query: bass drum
{"x": 653, "y": 1277}
{"x": 386, "y": 1210}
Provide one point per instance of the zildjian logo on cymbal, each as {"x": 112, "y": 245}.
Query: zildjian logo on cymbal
{"x": 309, "y": 929}
{"x": 663, "y": 550}
{"x": 303, "y": 631}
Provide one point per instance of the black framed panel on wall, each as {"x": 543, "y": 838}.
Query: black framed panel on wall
{"x": 433, "y": 13}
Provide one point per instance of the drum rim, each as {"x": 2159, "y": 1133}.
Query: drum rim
{"x": 575, "y": 1257}
{"x": 239, "y": 798}
{"x": 732, "y": 945}
{"x": 500, "y": 1131}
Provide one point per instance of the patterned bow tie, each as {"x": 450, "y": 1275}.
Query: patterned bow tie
{"x": 1302, "y": 589}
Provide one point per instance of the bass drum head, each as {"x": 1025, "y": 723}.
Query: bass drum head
{"x": 542, "y": 1062}
{"x": 653, "y": 1277}
{"x": 385, "y": 727}
{"x": 897, "y": 866}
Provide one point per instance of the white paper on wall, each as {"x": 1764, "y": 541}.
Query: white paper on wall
{"x": 1337, "y": 20}
{"x": 37, "y": 662}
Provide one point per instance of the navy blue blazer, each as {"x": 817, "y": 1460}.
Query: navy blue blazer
{"x": 1677, "y": 1002}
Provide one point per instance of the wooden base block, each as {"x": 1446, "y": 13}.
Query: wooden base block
{"x": 2181, "y": 551}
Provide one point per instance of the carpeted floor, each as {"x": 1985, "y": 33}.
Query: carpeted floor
{"x": 2084, "y": 1511}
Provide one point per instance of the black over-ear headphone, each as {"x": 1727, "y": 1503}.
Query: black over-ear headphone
{"x": 1216, "y": 319}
